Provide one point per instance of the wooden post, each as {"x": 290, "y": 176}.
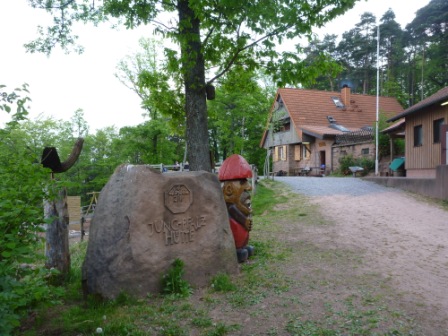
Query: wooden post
{"x": 57, "y": 244}
{"x": 392, "y": 149}
{"x": 57, "y": 250}
{"x": 82, "y": 228}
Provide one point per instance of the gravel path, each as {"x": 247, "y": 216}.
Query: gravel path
{"x": 331, "y": 186}
{"x": 404, "y": 237}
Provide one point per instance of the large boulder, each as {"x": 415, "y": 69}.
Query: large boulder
{"x": 144, "y": 220}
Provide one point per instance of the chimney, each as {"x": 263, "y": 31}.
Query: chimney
{"x": 345, "y": 93}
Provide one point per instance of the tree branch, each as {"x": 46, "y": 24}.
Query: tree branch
{"x": 163, "y": 25}
{"x": 61, "y": 6}
{"x": 210, "y": 32}
{"x": 238, "y": 51}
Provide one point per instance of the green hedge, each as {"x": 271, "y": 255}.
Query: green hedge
{"x": 349, "y": 161}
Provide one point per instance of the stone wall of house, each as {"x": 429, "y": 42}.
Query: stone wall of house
{"x": 319, "y": 147}
{"x": 291, "y": 161}
{"x": 281, "y": 165}
{"x": 292, "y": 166}
{"x": 360, "y": 150}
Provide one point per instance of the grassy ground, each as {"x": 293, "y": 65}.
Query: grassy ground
{"x": 292, "y": 286}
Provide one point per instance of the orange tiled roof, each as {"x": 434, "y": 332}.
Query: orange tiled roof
{"x": 321, "y": 131}
{"x": 311, "y": 108}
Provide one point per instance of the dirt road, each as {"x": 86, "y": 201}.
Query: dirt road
{"x": 404, "y": 237}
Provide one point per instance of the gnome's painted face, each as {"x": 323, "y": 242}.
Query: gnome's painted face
{"x": 237, "y": 192}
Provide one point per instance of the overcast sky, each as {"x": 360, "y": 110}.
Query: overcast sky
{"x": 60, "y": 84}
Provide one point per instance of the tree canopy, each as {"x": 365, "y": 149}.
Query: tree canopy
{"x": 412, "y": 60}
{"x": 211, "y": 36}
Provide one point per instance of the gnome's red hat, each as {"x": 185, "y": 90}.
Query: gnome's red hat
{"x": 235, "y": 167}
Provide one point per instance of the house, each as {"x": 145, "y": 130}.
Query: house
{"x": 426, "y": 132}
{"x": 310, "y": 130}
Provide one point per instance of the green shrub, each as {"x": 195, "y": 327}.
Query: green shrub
{"x": 21, "y": 292}
{"x": 23, "y": 279}
{"x": 366, "y": 163}
{"x": 347, "y": 161}
{"x": 173, "y": 282}
{"x": 399, "y": 145}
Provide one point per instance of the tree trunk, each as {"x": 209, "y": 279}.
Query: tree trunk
{"x": 57, "y": 245}
{"x": 155, "y": 153}
{"x": 193, "y": 68}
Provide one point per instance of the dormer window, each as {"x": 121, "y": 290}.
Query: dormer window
{"x": 338, "y": 102}
{"x": 335, "y": 125}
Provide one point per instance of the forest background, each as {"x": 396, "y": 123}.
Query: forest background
{"x": 413, "y": 66}
{"x": 412, "y": 62}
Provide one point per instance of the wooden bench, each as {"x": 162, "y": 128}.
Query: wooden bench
{"x": 305, "y": 172}
{"x": 302, "y": 171}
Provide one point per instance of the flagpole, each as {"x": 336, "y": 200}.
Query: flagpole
{"x": 377, "y": 96}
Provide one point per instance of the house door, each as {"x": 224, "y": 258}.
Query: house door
{"x": 322, "y": 161}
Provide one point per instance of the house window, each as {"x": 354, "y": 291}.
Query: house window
{"x": 365, "y": 151}
{"x": 282, "y": 153}
{"x": 306, "y": 151}
{"x": 285, "y": 127}
{"x": 418, "y": 136}
{"x": 275, "y": 154}
{"x": 297, "y": 152}
{"x": 437, "y": 124}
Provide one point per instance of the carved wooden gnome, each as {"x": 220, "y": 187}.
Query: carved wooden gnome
{"x": 233, "y": 174}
